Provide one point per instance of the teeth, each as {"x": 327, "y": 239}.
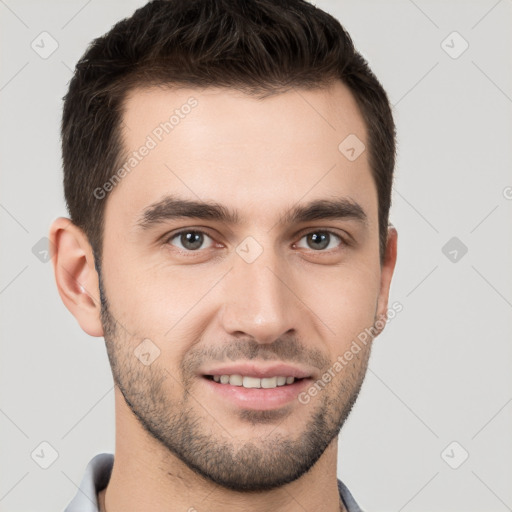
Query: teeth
{"x": 236, "y": 380}
{"x": 269, "y": 382}
{"x": 253, "y": 382}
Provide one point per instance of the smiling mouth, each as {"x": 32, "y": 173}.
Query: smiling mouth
{"x": 249, "y": 382}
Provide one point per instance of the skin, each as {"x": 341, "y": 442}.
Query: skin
{"x": 177, "y": 442}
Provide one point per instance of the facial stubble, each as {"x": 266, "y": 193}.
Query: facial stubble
{"x": 183, "y": 427}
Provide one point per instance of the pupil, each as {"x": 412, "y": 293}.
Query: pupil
{"x": 323, "y": 239}
{"x": 192, "y": 240}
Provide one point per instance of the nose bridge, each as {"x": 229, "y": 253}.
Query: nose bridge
{"x": 258, "y": 302}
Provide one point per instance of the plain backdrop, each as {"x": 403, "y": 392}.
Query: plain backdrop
{"x": 431, "y": 429}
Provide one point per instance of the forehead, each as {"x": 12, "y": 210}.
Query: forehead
{"x": 252, "y": 155}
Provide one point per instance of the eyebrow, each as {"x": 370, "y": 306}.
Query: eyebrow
{"x": 172, "y": 207}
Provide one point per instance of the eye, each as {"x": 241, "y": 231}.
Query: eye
{"x": 189, "y": 240}
{"x": 193, "y": 240}
{"x": 321, "y": 240}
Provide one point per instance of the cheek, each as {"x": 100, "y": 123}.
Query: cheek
{"x": 156, "y": 301}
{"x": 344, "y": 298}
{"x": 160, "y": 301}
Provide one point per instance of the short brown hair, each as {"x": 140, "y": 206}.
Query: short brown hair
{"x": 261, "y": 47}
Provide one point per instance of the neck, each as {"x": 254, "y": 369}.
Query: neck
{"x": 146, "y": 476}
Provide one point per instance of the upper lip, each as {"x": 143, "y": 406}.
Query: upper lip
{"x": 258, "y": 370}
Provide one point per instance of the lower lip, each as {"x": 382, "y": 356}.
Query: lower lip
{"x": 261, "y": 399}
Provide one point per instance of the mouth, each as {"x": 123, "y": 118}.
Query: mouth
{"x": 251, "y": 382}
{"x": 250, "y": 392}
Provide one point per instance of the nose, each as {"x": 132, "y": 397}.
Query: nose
{"x": 259, "y": 301}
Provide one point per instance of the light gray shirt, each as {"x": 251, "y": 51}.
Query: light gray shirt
{"x": 97, "y": 475}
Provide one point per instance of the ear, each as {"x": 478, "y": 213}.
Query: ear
{"x": 387, "y": 268}
{"x": 75, "y": 274}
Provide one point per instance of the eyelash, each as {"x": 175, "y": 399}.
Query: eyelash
{"x": 343, "y": 241}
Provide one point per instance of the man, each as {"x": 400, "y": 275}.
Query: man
{"x": 228, "y": 169}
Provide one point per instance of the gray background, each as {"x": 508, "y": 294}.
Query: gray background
{"x": 439, "y": 373}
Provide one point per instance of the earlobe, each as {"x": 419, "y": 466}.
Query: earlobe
{"x": 75, "y": 274}
{"x": 387, "y": 269}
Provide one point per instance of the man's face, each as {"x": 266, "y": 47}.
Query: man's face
{"x": 193, "y": 297}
